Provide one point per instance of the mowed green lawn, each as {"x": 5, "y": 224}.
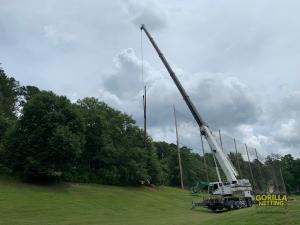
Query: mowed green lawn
{"x": 98, "y": 204}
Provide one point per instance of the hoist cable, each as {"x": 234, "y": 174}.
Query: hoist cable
{"x": 142, "y": 60}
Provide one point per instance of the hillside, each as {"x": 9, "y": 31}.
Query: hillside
{"x": 98, "y": 204}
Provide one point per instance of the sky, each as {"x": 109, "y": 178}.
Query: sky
{"x": 238, "y": 61}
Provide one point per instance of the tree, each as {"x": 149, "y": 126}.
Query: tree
{"x": 290, "y": 171}
{"x": 8, "y": 97}
{"x": 114, "y": 151}
{"x": 47, "y": 139}
{"x": 192, "y": 164}
{"x": 26, "y": 93}
{"x": 8, "y": 94}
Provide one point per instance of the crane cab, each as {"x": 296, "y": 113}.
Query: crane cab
{"x": 225, "y": 188}
{"x": 219, "y": 188}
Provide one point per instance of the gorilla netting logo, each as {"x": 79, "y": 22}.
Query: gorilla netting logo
{"x": 279, "y": 200}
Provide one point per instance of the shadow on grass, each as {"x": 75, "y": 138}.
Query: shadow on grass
{"x": 43, "y": 186}
{"x": 208, "y": 211}
{"x": 272, "y": 211}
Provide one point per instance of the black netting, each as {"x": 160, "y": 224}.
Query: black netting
{"x": 263, "y": 172}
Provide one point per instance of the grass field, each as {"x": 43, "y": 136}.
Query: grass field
{"x": 98, "y": 204}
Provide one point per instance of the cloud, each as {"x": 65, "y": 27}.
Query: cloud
{"x": 58, "y": 37}
{"x": 290, "y": 105}
{"x": 251, "y": 138}
{"x": 240, "y": 62}
{"x": 224, "y": 101}
{"x": 278, "y": 128}
{"x": 148, "y": 13}
{"x": 288, "y": 133}
{"x": 285, "y": 117}
{"x": 123, "y": 82}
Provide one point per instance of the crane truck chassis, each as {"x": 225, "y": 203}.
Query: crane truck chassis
{"x": 239, "y": 197}
{"x": 235, "y": 193}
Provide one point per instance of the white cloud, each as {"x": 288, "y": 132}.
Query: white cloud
{"x": 224, "y": 101}
{"x": 284, "y": 126}
{"x": 240, "y": 62}
{"x": 250, "y": 137}
{"x": 288, "y": 133}
{"x": 58, "y": 37}
{"x": 148, "y": 13}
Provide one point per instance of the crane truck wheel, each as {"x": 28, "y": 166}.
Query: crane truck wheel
{"x": 236, "y": 205}
{"x": 229, "y": 204}
{"x": 249, "y": 203}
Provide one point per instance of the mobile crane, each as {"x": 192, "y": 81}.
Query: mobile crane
{"x": 233, "y": 194}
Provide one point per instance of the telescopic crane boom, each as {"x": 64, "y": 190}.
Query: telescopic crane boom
{"x": 227, "y": 167}
{"x": 234, "y": 193}
{"x": 185, "y": 96}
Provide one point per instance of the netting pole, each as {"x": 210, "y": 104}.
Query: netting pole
{"x": 259, "y": 168}
{"x": 145, "y": 94}
{"x": 284, "y": 188}
{"x": 236, "y": 158}
{"x": 178, "y": 150}
{"x": 204, "y": 158}
{"x": 250, "y": 168}
{"x": 145, "y": 116}
{"x": 274, "y": 174}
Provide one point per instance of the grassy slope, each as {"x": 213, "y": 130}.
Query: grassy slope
{"x": 262, "y": 216}
{"x": 98, "y": 204}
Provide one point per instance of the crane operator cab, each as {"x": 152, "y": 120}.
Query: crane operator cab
{"x": 219, "y": 188}
{"x": 241, "y": 186}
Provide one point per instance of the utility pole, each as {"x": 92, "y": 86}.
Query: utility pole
{"x": 178, "y": 150}
{"x": 145, "y": 116}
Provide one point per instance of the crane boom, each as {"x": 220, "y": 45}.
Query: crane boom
{"x": 227, "y": 167}
{"x": 185, "y": 96}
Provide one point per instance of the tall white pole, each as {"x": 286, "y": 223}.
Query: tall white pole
{"x": 178, "y": 150}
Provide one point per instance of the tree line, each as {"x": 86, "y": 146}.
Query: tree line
{"x": 46, "y": 138}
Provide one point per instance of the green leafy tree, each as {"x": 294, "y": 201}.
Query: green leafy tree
{"x": 8, "y": 98}
{"x": 8, "y": 94}
{"x": 114, "y": 151}
{"x": 47, "y": 139}
{"x": 192, "y": 164}
{"x": 26, "y": 93}
{"x": 291, "y": 170}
